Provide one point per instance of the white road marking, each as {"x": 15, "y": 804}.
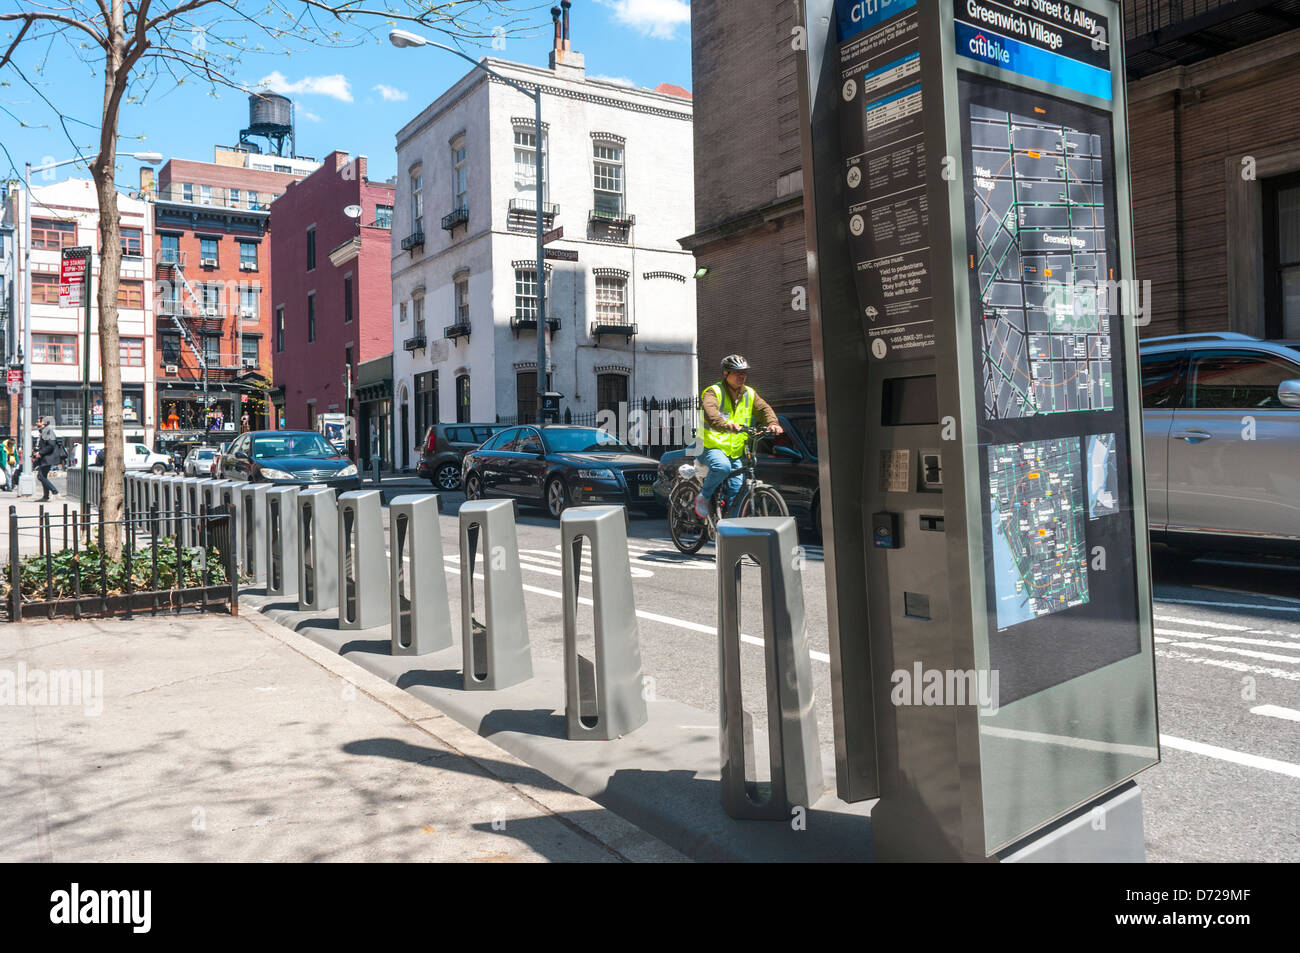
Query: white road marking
{"x": 1235, "y": 757}
{"x": 1183, "y": 634}
{"x": 1267, "y": 643}
{"x": 1227, "y": 605}
{"x": 1204, "y": 623}
{"x": 1276, "y": 711}
{"x": 1231, "y": 664}
{"x": 1262, "y": 656}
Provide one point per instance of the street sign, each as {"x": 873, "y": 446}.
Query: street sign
{"x": 15, "y": 376}
{"x": 72, "y": 275}
{"x": 561, "y": 254}
{"x": 553, "y": 235}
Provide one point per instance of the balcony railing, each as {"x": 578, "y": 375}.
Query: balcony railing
{"x": 602, "y": 216}
{"x": 612, "y": 326}
{"x": 457, "y": 216}
{"x": 417, "y": 342}
{"x": 413, "y": 240}
{"x": 520, "y": 209}
{"x": 218, "y": 198}
{"x": 458, "y": 330}
{"x": 528, "y": 322}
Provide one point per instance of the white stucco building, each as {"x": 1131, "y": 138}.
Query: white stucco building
{"x": 620, "y": 298}
{"x": 66, "y": 214}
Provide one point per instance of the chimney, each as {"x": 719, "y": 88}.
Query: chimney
{"x": 146, "y": 182}
{"x": 564, "y": 62}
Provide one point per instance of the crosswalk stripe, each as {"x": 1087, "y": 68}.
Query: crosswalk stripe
{"x": 1262, "y": 656}
{"x": 1236, "y": 757}
{"x": 1266, "y": 643}
{"x": 1229, "y": 605}
{"x": 1183, "y": 634}
{"x": 1232, "y": 664}
{"x": 1276, "y": 711}
{"x": 1204, "y": 623}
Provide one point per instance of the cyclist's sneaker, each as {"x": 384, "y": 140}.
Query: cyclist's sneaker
{"x": 701, "y": 506}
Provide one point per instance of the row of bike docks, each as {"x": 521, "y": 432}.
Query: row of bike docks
{"x": 328, "y": 552}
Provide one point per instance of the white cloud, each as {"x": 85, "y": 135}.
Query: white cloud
{"x": 616, "y": 80}
{"x": 306, "y": 114}
{"x": 391, "y": 94}
{"x": 657, "y": 18}
{"x": 335, "y": 86}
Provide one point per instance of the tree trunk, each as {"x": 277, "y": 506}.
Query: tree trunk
{"x": 110, "y": 264}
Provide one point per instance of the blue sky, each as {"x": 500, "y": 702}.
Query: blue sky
{"x": 353, "y": 99}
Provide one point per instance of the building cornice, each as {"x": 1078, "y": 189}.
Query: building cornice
{"x": 1261, "y": 55}
{"x": 761, "y": 217}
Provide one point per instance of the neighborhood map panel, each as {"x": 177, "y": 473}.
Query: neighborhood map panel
{"x": 1040, "y": 257}
{"x": 1036, "y": 500}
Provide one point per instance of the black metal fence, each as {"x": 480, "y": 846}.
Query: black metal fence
{"x": 156, "y": 573}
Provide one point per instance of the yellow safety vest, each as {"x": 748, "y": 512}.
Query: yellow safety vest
{"x": 732, "y": 444}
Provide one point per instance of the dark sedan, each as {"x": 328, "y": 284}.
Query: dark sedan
{"x": 288, "y": 458}
{"x": 795, "y": 478}
{"x": 558, "y": 466}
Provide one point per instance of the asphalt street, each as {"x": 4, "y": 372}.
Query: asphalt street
{"x": 1228, "y": 674}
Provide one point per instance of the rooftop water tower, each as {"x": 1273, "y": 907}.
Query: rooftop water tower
{"x": 270, "y": 117}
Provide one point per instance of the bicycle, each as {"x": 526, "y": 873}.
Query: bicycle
{"x": 689, "y": 531}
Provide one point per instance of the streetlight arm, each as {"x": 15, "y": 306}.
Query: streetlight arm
{"x": 401, "y": 38}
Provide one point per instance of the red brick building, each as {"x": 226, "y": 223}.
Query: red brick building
{"x": 213, "y": 287}
{"x": 331, "y": 288}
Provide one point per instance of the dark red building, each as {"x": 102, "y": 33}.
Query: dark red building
{"x": 213, "y": 295}
{"x": 331, "y": 289}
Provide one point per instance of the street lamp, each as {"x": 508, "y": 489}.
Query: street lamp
{"x": 26, "y": 483}
{"x": 404, "y": 38}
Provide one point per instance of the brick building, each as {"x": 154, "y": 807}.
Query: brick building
{"x": 749, "y": 230}
{"x": 1215, "y": 137}
{"x": 213, "y": 269}
{"x": 330, "y": 288}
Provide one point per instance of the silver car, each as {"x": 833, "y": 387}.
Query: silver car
{"x": 1221, "y": 421}
{"x": 198, "y": 462}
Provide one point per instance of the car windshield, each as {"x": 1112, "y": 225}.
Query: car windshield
{"x": 206, "y": 454}
{"x": 293, "y": 445}
{"x": 584, "y": 440}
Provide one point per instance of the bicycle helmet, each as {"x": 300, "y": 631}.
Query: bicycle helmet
{"x": 734, "y": 362}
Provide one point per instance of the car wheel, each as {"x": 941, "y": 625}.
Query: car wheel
{"x": 557, "y": 497}
{"x": 158, "y": 469}
{"x": 447, "y": 477}
{"x": 473, "y": 487}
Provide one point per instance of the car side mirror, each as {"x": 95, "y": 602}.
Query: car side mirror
{"x": 790, "y": 453}
{"x": 241, "y": 455}
{"x": 1288, "y": 392}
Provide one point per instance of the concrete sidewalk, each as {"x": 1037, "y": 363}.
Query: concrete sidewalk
{"x": 212, "y": 738}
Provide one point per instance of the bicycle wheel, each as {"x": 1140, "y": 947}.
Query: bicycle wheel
{"x": 687, "y": 530}
{"x": 764, "y": 501}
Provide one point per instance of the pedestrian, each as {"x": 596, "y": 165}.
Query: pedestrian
{"x": 48, "y": 454}
{"x": 8, "y": 463}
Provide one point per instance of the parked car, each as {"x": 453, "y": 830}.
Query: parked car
{"x": 796, "y": 479}
{"x": 135, "y": 456}
{"x": 1221, "y": 424}
{"x": 198, "y": 462}
{"x": 288, "y": 458}
{"x": 445, "y": 446}
{"x": 558, "y": 465}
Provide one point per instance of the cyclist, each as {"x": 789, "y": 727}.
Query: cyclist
{"x": 728, "y": 407}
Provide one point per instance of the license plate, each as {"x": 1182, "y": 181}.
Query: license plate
{"x": 646, "y": 490}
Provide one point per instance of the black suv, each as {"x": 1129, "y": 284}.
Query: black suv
{"x": 445, "y": 446}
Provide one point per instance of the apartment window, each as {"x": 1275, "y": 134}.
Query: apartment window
{"x": 130, "y": 294}
{"x": 417, "y": 309}
{"x": 417, "y": 202}
{"x": 248, "y": 302}
{"x": 462, "y": 299}
{"x": 311, "y": 248}
{"x": 383, "y": 216}
{"x": 208, "y": 250}
{"x": 187, "y": 191}
{"x": 279, "y": 330}
{"x": 526, "y": 397}
{"x": 234, "y": 198}
{"x": 608, "y": 195}
{"x": 248, "y": 350}
{"x": 54, "y": 349}
{"x": 210, "y": 295}
{"x": 248, "y": 256}
{"x": 611, "y": 391}
{"x": 526, "y": 294}
{"x": 45, "y": 288}
{"x": 133, "y": 242}
{"x": 611, "y": 299}
{"x": 401, "y": 312}
{"x": 169, "y": 249}
{"x": 252, "y": 199}
{"x": 171, "y": 348}
{"x": 53, "y": 234}
{"x": 311, "y": 318}
{"x": 462, "y": 399}
{"x": 426, "y": 402}
{"x": 526, "y": 163}
{"x": 460, "y": 175}
{"x": 131, "y": 351}
{"x": 281, "y": 168}
{"x": 205, "y": 195}
{"x": 1282, "y": 257}
{"x": 347, "y": 356}
{"x": 347, "y": 300}
{"x": 212, "y": 350}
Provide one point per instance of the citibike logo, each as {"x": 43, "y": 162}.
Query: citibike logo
{"x": 868, "y": 8}
{"x": 990, "y": 50}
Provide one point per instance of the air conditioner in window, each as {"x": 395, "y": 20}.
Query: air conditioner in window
{"x": 247, "y": 313}
{"x": 250, "y": 362}
{"x": 210, "y": 312}
{"x": 172, "y": 369}
{"x": 208, "y": 262}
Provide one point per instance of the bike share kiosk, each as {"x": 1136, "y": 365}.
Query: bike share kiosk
{"x": 966, "y": 190}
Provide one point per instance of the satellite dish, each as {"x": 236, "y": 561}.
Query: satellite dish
{"x": 352, "y": 211}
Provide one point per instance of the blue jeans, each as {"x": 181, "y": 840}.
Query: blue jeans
{"x": 721, "y": 467}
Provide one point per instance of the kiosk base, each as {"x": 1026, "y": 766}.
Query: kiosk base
{"x": 1109, "y": 830}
